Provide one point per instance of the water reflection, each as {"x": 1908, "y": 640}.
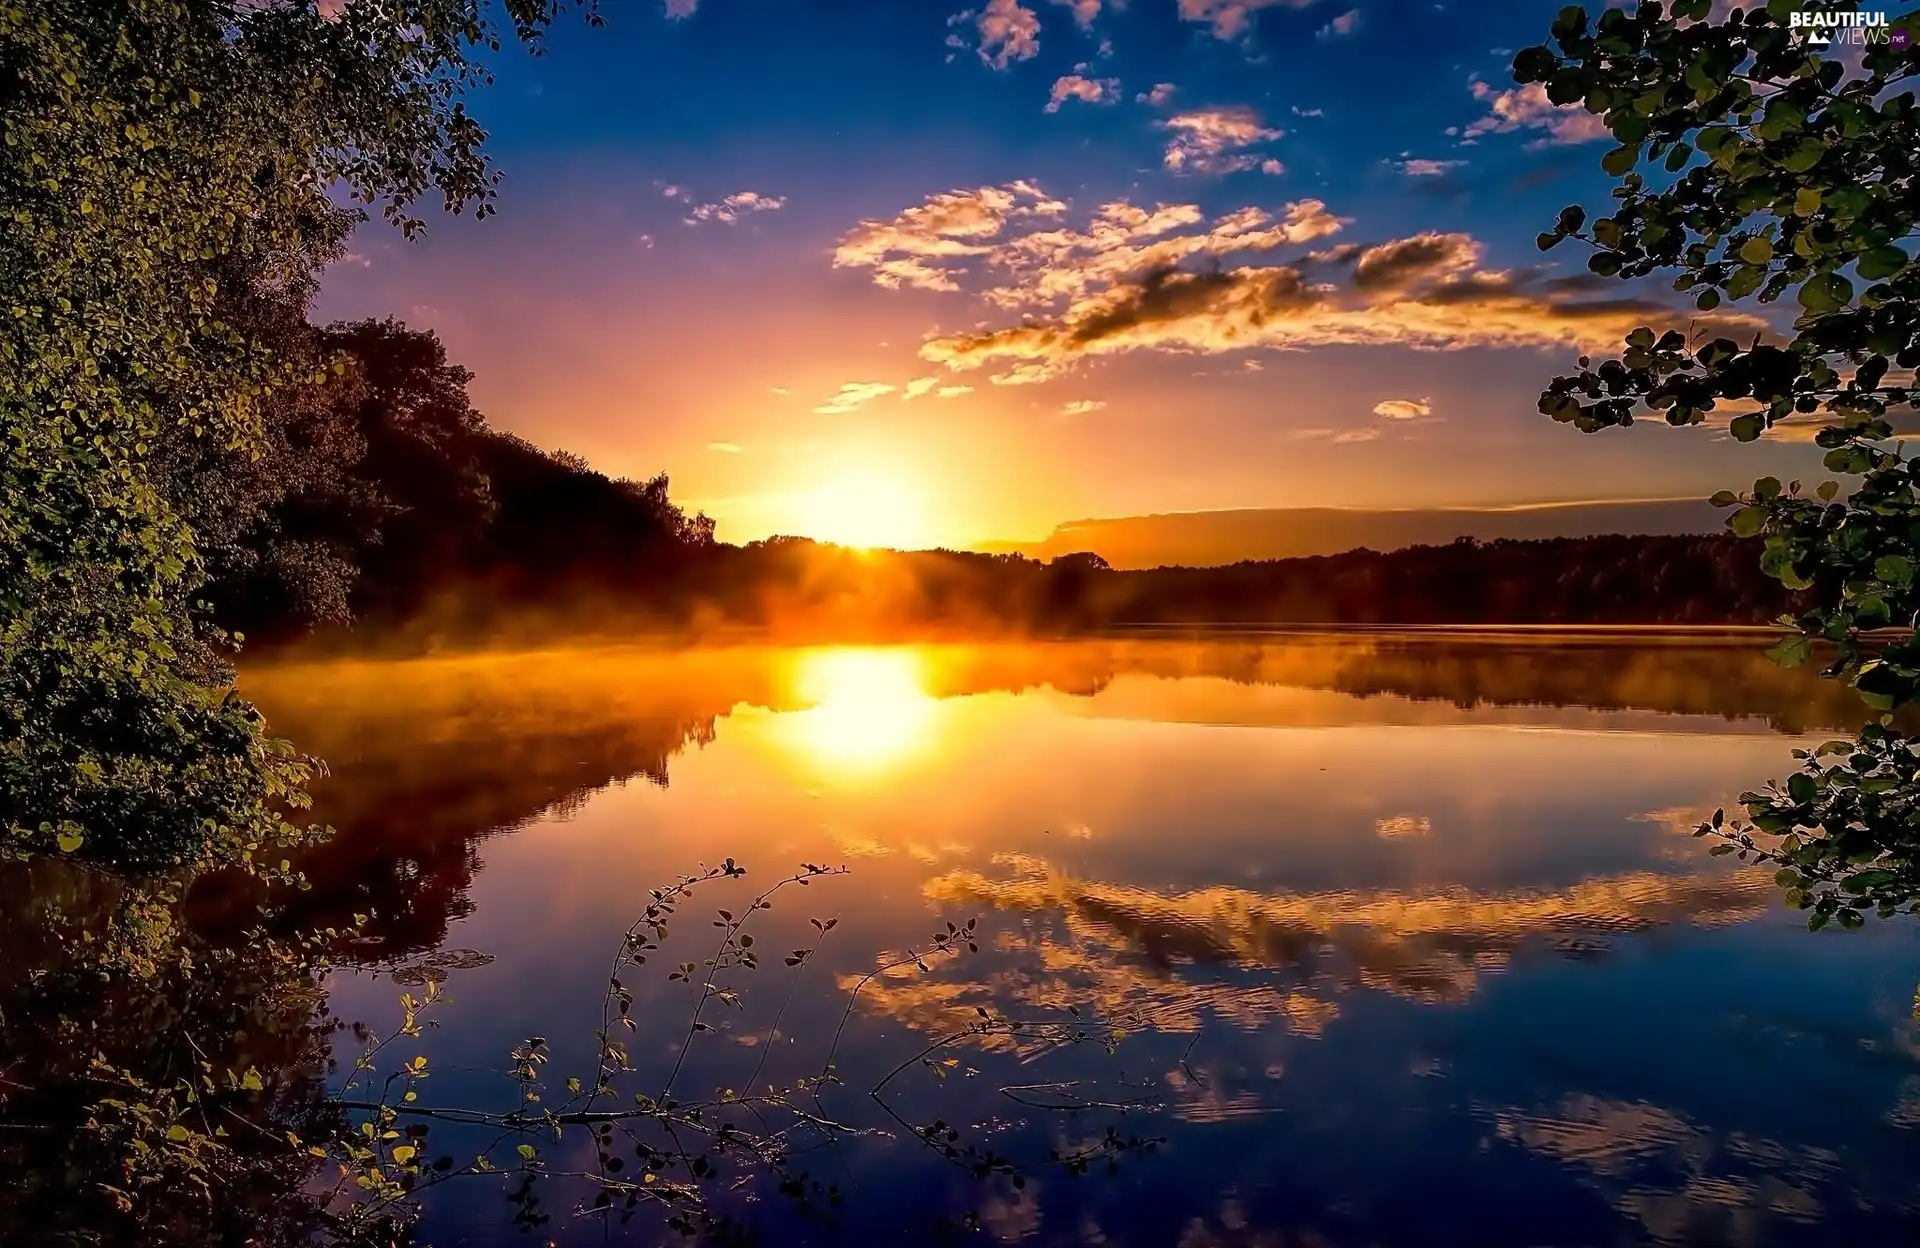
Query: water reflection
{"x": 867, "y": 709}
{"x": 1410, "y": 930}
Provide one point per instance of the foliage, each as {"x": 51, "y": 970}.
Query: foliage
{"x": 1780, "y": 172}
{"x": 155, "y": 155}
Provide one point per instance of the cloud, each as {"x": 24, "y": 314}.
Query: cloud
{"x": 1209, "y": 140}
{"x": 1229, "y": 18}
{"x": 1034, "y": 260}
{"x": 921, "y": 247}
{"x": 1424, "y": 292}
{"x": 1528, "y": 108}
{"x": 725, "y": 448}
{"x": 1080, "y": 407}
{"x": 1308, "y": 112}
{"x": 1008, "y": 33}
{"x": 852, "y": 394}
{"x": 735, "y": 206}
{"x": 1160, "y": 94}
{"x": 1407, "y": 260}
{"x": 677, "y": 9}
{"x": 1024, "y": 374}
{"x": 1417, "y": 167}
{"x": 953, "y": 392}
{"x": 1091, "y": 90}
{"x": 918, "y": 386}
{"x": 1403, "y": 409}
{"x": 1084, "y": 11}
{"x": 1341, "y": 26}
{"x": 1049, "y": 267}
{"x": 1272, "y": 166}
{"x": 1338, "y": 437}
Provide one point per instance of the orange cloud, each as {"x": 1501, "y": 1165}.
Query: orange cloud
{"x": 1049, "y": 266}
{"x": 1403, "y": 262}
{"x": 1403, "y": 409}
{"x": 1341, "y": 26}
{"x": 852, "y": 394}
{"x": 1412, "y": 298}
{"x": 918, "y": 248}
{"x": 1208, "y": 140}
{"x": 735, "y": 206}
{"x": 1528, "y": 108}
{"x": 1008, "y": 33}
{"x": 1229, "y": 17}
{"x": 1419, "y": 167}
{"x": 1090, "y": 90}
{"x": 1084, "y": 11}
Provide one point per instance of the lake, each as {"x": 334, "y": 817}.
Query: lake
{"x": 1349, "y": 940}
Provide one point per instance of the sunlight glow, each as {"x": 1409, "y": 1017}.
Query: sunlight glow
{"x": 869, "y": 709}
{"x": 864, "y": 507}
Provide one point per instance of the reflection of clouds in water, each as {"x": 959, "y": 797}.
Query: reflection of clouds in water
{"x": 1395, "y": 826}
{"x": 1684, "y": 1184}
{"x": 1128, "y": 953}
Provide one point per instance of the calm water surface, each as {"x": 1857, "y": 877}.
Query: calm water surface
{"x": 1409, "y": 935}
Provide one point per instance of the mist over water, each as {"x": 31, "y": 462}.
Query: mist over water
{"x": 1409, "y": 933}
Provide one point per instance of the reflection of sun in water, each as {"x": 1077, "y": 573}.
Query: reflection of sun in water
{"x": 868, "y": 708}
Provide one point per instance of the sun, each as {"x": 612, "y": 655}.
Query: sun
{"x": 865, "y": 507}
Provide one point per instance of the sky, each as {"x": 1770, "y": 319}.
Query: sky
{"x": 899, "y": 272}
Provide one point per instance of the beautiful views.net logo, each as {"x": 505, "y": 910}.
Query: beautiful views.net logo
{"x": 1827, "y": 29}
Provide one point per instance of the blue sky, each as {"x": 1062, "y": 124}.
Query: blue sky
{"x": 938, "y": 223}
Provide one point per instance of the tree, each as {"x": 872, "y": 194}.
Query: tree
{"x": 1772, "y": 169}
{"x": 153, "y": 153}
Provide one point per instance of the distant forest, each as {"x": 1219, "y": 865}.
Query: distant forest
{"x": 387, "y": 509}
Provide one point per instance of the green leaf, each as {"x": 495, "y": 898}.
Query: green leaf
{"x": 70, "y": 841}
{"x": 1756, "y": 250}
{"x": 1747, "y": 521}
{"x": 1621, "y": 159}
{"x": 1805, "y": 156}
{"x": 1747, "y": 428}
{"x": 1882, "y": 262}
{"x": 1792, "y": 652}
{"x": 404, "y": 1153}
{"x": 1893, "y": 570}
{"x": 1806, "y": 201}
{"x": 1826, "y": 293}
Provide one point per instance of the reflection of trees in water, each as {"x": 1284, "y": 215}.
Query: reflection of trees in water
{"x": 1731, "y": 681}
{"x": 105, "y": 1002}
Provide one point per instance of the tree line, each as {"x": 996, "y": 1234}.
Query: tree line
{"x": 384, "y": 505}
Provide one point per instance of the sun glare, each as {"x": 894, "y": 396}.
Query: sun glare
{"x": 867, "y": 508}
{"x": 868, "y": 709}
